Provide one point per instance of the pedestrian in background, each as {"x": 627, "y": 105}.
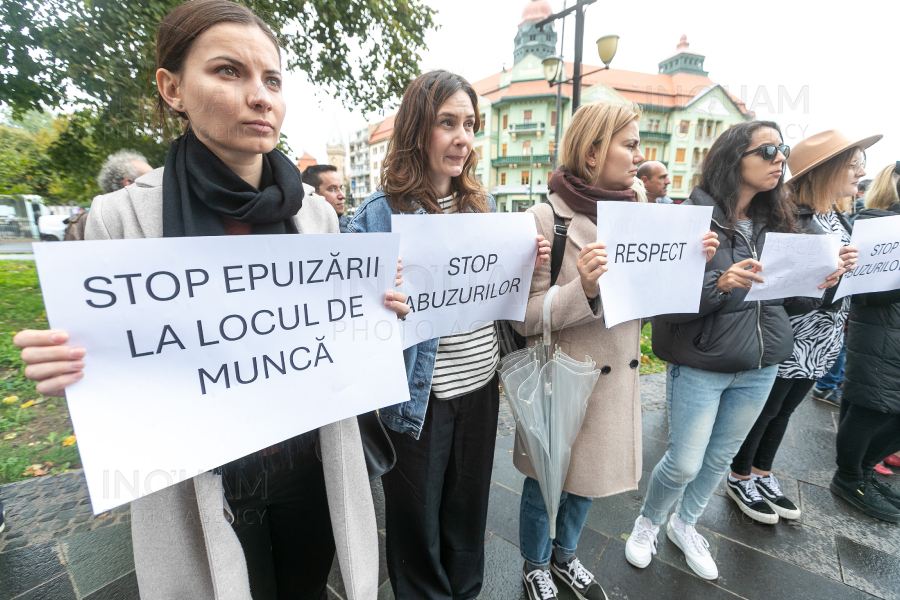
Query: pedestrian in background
{"x": 224, "y": 176}
{"x": 599, "y": 155}
{"x": 827, "y": 168}
{"x": 327, "y": 183}
{"x": 869, "y": 429}
{"x": 722, "y": 361}
{"x": 436, "y": 496}
{"x": 655, "y": 177}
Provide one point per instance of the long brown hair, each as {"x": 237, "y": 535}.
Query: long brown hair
{"x": 404, "y": 172}
{"x": 183, "y": 25}
{"x": 721, "y": 178}
{"x": 815, "y": 188}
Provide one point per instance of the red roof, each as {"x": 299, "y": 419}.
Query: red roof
{"x": 307, "y": 160}
{"x": 669, "y": 91}
{"x": 383, "y": 131}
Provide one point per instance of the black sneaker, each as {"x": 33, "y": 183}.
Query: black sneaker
{"x": 771, "y": 492}
{"x": 539, "y": 584}
{"x": 832, "y": 396}
{"x": 749, "y": 500}
{"x": 886, "y": 491}
{"x": 578, "y": 578}
{"x": 865, "y": 497}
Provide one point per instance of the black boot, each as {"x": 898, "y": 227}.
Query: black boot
{"x": 886, "y": 491}
{"x": 865, "y": 497}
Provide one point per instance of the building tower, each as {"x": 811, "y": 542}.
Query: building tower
{"x": 336, "y": 151}
{"x": 683, "y": 61}
{"x": 532, "y": 40}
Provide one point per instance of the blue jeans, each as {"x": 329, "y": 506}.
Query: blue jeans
{"x": 534, "y": 524}
{"x": 833, "y": 377}
{"x": 710, "y": 415}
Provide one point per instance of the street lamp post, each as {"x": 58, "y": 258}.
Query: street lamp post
{"x": 578, "y": 9}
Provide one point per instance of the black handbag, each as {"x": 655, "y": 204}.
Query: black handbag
{"x": 377, "y": 447}
{"x": 509, "y": 339}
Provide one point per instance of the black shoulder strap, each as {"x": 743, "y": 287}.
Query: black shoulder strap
{"x": 560, "y": 232}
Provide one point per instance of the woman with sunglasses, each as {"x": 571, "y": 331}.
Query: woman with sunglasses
{"x": 722, "y": 361}
{"x": 826, "y": 169}
{"x": 869, "y": 429}
{"x": 224, "y": 176}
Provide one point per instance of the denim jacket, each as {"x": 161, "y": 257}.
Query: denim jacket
{"x": 374, "y": 216}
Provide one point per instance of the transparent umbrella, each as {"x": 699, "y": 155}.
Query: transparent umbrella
{"x": 548, "y": 394}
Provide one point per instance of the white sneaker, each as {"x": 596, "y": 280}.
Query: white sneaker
{"x": 641, "y": 544}
{"x": 694, "y": 546}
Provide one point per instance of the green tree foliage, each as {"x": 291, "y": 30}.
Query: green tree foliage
{"x": 98, "y": 57}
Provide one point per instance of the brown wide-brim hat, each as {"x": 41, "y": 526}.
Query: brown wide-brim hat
{"x": 819, "y": 148}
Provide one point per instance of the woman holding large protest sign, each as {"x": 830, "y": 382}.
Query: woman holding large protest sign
{"x": 723, "y": 361}
{"x": 437, "y": 494}
{"x": 869, "y": 430}
{"x": 219, "y": 74}
{"x": 599, "y": 157}
{"x": 826, "y": 169}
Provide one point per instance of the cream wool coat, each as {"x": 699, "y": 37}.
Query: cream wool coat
{"x": 606, "y": 457}
{"x": 184, "y": 546}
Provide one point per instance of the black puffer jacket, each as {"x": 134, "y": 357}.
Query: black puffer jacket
{"x": 872, "y": 378}
{"x": 728, "y": 335}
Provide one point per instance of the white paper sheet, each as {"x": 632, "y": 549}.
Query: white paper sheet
{"x": 149, "y": 411}
{"x": 878, "y": 267}
{"x": 461, "y": 271}
{"x": 655, "y": 258}
{"x": 795, "y": 264}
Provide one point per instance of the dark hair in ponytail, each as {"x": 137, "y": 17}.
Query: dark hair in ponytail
{"x": 183, "y": 25}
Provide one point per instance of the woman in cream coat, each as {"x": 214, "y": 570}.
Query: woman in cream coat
{"x": 600, "y": 154}
{"x": 225, "y": 177}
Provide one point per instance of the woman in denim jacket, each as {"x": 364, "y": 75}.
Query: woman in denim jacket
{"x": 437, "y": 495}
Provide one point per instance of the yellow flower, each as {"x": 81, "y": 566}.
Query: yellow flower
{"x": 9, "y": 436}
{"x": 69, "y": 441}
{"x": 10, "y": 399}
{"x": 27, "y": 404}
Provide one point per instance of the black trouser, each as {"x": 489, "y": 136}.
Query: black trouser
{"x": 437, "y": 498}
{"x": 763, "y": 441}
{"x": 865, "y": 437}
{"x": 282, "y": 521}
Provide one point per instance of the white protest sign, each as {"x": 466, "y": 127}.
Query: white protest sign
{"x": 878, "y": 266}
{"x": 202, "y": 350}
{"x": 461, "y": 271}
{"x": 655, "y": 258}
{"x": 795, "y": 264}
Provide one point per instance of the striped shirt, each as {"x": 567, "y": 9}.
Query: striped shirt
{"x": 465, "y": 361}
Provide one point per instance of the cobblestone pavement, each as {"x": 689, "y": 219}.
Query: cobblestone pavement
{"x": 54, "y": 549}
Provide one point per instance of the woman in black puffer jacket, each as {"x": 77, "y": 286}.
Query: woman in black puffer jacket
{"x": 722, "y": 361}
{"x": 869, "y": 429}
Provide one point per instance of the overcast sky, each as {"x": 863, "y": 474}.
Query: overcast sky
{"x": 808, "y": 66}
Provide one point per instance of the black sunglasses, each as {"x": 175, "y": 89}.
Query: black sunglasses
{"x": 770, "y": 151}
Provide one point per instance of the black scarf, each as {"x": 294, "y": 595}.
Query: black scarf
{"x": 199, "y": 190}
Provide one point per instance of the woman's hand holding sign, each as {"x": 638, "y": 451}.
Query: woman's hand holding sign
{"x": 543, "y": 254}
{"x": 846, "y": 262}
{"x": 50, "y": 363}
{"x": 710, "y": 244}
{"x": 396, "y": 301}
{"x": 591, "y": 265}
{"x": 740, "y": 275}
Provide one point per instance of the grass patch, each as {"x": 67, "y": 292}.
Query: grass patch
{"x": 649, "y": 362}
{"x": 32, "y": 427}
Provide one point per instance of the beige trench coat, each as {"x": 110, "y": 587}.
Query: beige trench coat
{"x": 184, "y": 546}
{"x": 606, "y": 457}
